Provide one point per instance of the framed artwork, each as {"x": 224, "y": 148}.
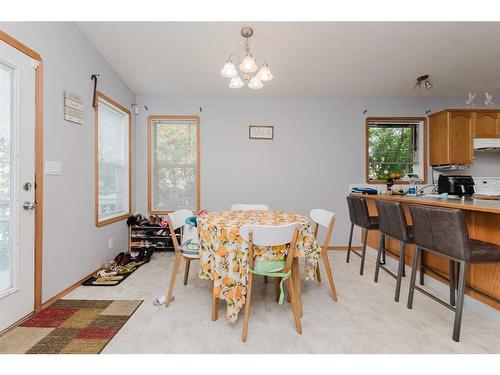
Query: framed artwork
{"x": 261, "y": 132}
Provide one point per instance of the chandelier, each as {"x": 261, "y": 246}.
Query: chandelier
{"x": 246, "y": 71}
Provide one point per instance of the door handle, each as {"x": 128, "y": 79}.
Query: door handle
{"x": 29, "y": 205}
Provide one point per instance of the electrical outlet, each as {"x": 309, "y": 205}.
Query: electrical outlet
{"x": 111, "y": 243}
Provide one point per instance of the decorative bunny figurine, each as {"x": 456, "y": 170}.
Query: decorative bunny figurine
{"x": 488, "y": 102}
{"x": 469, "y": 103}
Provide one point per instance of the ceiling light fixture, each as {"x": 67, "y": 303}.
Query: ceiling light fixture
{"x": 425, "y": 80}
{"x": 246, "y": 71}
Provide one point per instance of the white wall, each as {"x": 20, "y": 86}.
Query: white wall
{"x": 318, "y": 150}
{"x": 72, "y": 245}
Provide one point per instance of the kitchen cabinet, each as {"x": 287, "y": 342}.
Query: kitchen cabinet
{"x": 461, "y": 134}
{"x": 438, "y": 139}
{"x": 487, "y": 124}
{"x": 451, "y": 134}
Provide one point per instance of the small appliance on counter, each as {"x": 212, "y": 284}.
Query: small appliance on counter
{"x": 460, "y": 185}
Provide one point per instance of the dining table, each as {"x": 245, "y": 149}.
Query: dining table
{"x": 224, "y": 254}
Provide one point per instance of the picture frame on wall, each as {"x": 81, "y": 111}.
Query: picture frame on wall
{"x": 261, "y": 132}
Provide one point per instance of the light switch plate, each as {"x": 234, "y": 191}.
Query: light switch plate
{"x": 53, "y": 168}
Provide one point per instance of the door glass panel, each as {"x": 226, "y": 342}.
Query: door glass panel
{"x": 6, "y": 254}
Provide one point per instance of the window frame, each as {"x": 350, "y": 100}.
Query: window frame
{"x": 152, "y": 118}
{"x": 425, "y": 166}
{"x": 111, "y": 102}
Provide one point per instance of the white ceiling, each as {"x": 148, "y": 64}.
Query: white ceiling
{"x": 307, "y": 58}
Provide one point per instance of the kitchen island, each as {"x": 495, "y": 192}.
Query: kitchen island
{"x": 483, "y": 222}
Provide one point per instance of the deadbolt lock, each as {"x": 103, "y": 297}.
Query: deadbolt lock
{"x": 27, "y": 186}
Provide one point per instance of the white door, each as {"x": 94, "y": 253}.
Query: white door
{"x": 17, "y": 193}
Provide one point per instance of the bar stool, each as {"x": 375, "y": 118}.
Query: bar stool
{"x": 392, "y": 223}
{"x": 358, "y": 213}
{"x": 444, "y": 231}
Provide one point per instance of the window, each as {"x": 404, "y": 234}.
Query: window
{"x": 174, "y": 173}
{"x": 112, "y": 161}
{"x": 395, "y": 145}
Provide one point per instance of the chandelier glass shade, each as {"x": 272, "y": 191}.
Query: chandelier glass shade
{"x": 236, "y": 83}
{"x": 255, "y": 83}
{"x": 265, "y": 74}
{"x": 247, "y": 71}
{"x": 229, "y": 70}
{"x": 248, "y": 65}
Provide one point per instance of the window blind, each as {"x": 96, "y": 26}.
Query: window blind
{"x": 174, "y": 164}
{"x": 113, "y": 161}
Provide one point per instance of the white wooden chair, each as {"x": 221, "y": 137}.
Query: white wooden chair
{"x": 176, "y": 220}
{"x": 249, "y": 207}
{"x": 271, "y": 235}
{"x": 327, "y": 220}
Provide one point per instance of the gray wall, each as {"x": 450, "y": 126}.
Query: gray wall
{"x": 486, "y": 164}
{"x": 73, "y": 246}
{"x": 318, "y": 150}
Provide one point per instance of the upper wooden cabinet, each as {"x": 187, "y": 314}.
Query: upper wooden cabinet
{"x": 487, "y": 125}
{"x": 439, "y": 145}
{"x": 461, "y": 130}
{"x": 451, "y": 134}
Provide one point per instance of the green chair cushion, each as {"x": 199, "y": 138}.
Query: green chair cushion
{"x": 268, "y": 266}
{"x": 272, "y": 268}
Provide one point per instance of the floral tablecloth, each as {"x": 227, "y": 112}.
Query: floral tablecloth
{"x": 223, "y": 253}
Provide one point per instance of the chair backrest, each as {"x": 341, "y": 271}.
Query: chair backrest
{"x": 358, "y": 211}
{"x": 441, "y": 229}
{"x": 268, "y": 235}
{"x": 322, "y": 217}
{"x": 392, "y": 220}
{"x": 176, "y": 220}
{"x": 249, "y": 207}
{"x": 325, "y": 219}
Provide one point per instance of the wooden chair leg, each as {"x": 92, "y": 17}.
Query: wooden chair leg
{"x": 186, "y": 270}
{"x": 329, "y": 274}
{"x": 177, "y": 262}
{"x": 318, "y": 274}
{"x": 296, "y": 283}
{"x": 247, "y": 308}
{"x": 295, "y": 304}
{"x": 277, "y": 288}
{"x": 215, "y": 306}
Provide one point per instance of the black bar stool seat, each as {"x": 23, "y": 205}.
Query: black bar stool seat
{"x": 444, "y": 231}
{"x": 358, "y": 213}
{"x": 392, "y": 223}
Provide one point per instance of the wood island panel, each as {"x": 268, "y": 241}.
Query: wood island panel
{"x": 483, "y": 224}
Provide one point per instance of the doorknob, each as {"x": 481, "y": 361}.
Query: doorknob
{"x": 29, "y": 205}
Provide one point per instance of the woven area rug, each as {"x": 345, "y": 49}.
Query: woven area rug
{"x": 70, "y": 326}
